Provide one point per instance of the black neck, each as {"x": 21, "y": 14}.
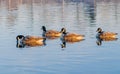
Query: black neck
{"x": 44, "y": 29}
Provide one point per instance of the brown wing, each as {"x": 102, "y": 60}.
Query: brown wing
{"x": 72, "y": 37}
{"x": 52, "y": 33}
{"x": 33, "y": 38}
{"x": 33, "y": 41}
{"x": 109, "y": 39}
{"x": 108, "y": 35}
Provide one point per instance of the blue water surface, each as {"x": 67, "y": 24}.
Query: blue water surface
{"x": 82, "y": 17}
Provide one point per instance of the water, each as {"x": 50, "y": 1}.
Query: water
{"x": 84, "y": 57}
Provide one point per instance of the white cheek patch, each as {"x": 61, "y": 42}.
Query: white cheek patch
{"x": 20, "y": 40}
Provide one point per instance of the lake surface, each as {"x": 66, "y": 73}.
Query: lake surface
{"x": 84, "y": 57}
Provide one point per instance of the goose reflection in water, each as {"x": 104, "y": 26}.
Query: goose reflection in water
{"x": 70, "y": 38}
{"x": 100, "y": 40}
{"x": 29, "y": 41}
{"x": 105, "y": 36}
{"x": 64, "y": 42}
